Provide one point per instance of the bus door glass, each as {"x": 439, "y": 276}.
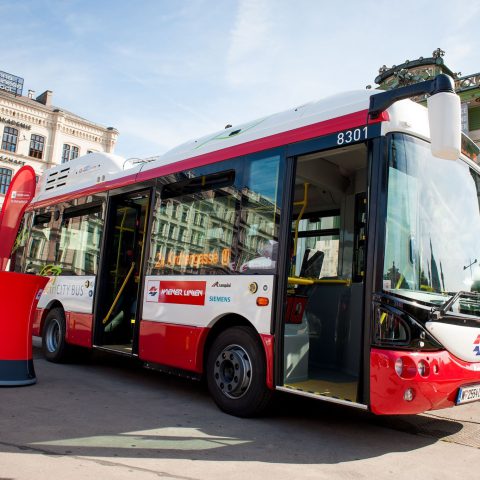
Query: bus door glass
{"x": 122, "y": 261}
{"x": 323, "y": 321}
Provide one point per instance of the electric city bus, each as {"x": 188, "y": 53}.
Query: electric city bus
{"x": 330, "y": 251}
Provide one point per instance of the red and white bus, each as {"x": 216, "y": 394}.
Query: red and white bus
{"x": 324, "y": 251}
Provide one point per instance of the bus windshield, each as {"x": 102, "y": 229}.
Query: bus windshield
{"x": 432, "y": 247}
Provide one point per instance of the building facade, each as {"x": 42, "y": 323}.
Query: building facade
{"x": 413, "y": 71}
{"x": 37, "y": 133}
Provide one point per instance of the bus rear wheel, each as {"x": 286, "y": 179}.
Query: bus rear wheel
{"x": 236, "y": 372}
{"x": 54, "y": 346}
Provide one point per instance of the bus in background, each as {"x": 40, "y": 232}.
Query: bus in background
{"x": 329, "y": 251}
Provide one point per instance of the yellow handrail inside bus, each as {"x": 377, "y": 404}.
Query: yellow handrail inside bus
{"x": 121, "y": 228}
{"x": 144, "y": 233}
{"x": 315, "y": 281}
{"x": 105, "y": 320}
{"x": 304, "y": 204}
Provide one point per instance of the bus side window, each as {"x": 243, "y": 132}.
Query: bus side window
{"x": 194, "y": 224}
{"x": 38, "y": 243}
{"x": 318, "y": 246}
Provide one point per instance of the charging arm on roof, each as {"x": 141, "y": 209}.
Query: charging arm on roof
{"x": 381, "y": 101}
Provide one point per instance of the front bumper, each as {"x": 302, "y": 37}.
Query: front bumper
{"x": 436, "y": 390}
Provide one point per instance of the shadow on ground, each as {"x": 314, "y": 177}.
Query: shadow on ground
{"x": 111, "y": 407}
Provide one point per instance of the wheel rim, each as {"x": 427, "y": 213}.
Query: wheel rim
{"x": 233, "y": 371}
{"x": 52, "y": 335}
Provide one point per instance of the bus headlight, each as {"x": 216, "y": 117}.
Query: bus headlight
{"x": 399, "y": 366}
{"x": 423, "y": 368}
{"x": 405, "y": 367}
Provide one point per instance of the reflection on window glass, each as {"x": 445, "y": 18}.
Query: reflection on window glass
{"x": 390, "y": 328}
{"x": 433, "y": 221}
{"x": 182, "y": 246}
{"x": 262, "y": 179}
{"x": 38, "y": 243}
{"x": 219, "y": 223}
{"x": 78, "y": 248}
{"x": 259, "y": 216}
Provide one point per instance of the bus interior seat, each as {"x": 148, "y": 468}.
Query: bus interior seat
{"x": 311, "y": 267}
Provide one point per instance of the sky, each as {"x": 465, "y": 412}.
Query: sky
{"x": 166, "y": 71}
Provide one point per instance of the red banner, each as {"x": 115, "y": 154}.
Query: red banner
{"x": 179, "y": 292}
{"x": 19, "y": 195}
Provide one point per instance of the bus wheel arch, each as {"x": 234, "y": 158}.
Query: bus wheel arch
{"x": 51, "y": 305}
{"x": 218, "y": 326}
{"x": 54, "y": 346}
{"x": 235, "y": 367}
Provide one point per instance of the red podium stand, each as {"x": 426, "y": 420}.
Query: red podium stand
{"x": 19, "y": 295}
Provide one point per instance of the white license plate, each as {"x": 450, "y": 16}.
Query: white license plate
{"x": 468, "y": 394}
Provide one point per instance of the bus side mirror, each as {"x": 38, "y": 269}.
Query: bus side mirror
{"x": 443, "y": 112}
{"x": 444, "y": 119}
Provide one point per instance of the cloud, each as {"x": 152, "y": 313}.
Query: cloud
{"x": 251, "y": 29}
{"x": 252, "y": 45}
{"x": 82, "y": 25}
{"x": 170, "y": 71}
{"x": 155, "y": 134}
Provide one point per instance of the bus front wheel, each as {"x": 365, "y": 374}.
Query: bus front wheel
{"x": 236, "y": 372}
{"x": 54, "y": 346}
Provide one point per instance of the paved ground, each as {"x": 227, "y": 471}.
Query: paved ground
{"x": 108, "y": 418}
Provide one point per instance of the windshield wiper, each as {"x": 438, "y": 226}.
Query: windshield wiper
{"x": 440, "y": 310}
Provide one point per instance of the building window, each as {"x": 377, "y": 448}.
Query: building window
{"x": 37, "y": 142}
{"x": 473, "y": 119}
{"x": 9, "y": 139}
{"x": 5, "y": 178}
{"x": 69, "y": 152}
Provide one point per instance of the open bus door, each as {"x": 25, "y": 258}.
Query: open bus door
{"x": 323, "y": 331}
{"x": 117, "y": 309}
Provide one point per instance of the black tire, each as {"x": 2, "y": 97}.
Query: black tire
{"x": 54, "y": 346}
{"x": 236, "y": 372}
